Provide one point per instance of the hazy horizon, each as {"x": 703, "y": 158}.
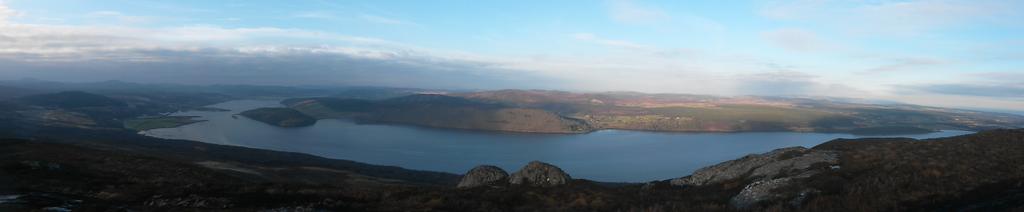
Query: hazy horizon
{"x": 963, "y": 54}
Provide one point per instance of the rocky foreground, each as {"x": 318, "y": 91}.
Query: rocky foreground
{"x": 978, "y": 172}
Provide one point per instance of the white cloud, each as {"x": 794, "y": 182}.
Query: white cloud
{"x": 6, "y": 13}
{"x": 369, "y": 18}
{"x": 58, "y": 42}
{"x": 118, "y": 17}
{"x": 918, "y": 16}
{"x": 316, "y": 15}
{"x": 894, "y": 18}
{"x": 268, "y": 53}
{"x": 384, "y": 20}
{"x": 794, "y": 39}
{"x": 645, "y": 50}
{"x": 917, "y": 95}
{"x": 293, "y": 56}
{"x": 1001, "y": 77}
{"x": 791, "y": 9}
{"x": 630, "y": 12}
{"x": 905, "y": 64}
{"x": 588, "y": 37}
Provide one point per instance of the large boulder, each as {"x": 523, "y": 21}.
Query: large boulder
{"x": 754, "y": 166}
{"x": 537, "y": 173}
{"x": 482, "y": 176}
{"x": 766, "y": 173}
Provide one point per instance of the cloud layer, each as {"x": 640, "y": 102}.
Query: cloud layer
{"x": 819, "y": 48}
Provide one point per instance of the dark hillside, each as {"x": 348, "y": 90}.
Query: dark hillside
{"x": 72, "y": 100}
{"x": 442, "y": 111}
{"x": 934, "y": 173}
{"x": 281, "y": 117}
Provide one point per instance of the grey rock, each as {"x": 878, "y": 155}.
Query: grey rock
{"x": 799, "y": 163}
{"x": 758, "y": 191}
{"x": 802, "y": 197}
{"x": 734, "y": 169}
{"x": 767, "y": 172}
{"x": 540, "y": 174}
{"x": 762, "y": 190}
{"x": 483, "y": 175}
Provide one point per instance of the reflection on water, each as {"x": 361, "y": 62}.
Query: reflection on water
{"x": 609, "y": 155}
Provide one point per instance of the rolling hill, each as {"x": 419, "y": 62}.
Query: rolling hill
{"x": 441, "y": 111}
{"x": 566, "y": 112}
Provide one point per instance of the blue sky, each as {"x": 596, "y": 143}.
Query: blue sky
{"x": 945, "y": 53}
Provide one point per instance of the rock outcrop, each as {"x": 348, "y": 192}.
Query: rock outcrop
{"x": 541, "y": 174}
{"x": 482, "y": 176}
{"x": 765, "y": 172}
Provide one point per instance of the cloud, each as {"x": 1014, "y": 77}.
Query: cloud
{"x": 924, "y": 15}
{"x": 288, "y": 56}
{"x": 209, "y": 54}
{"x": 784, "y": 82}
{"x": 888, "y": 18}
{"x": 588, "y": 37}
{"x": 369, "y": 18}
{"x": 1001, "y": 77}
{"x": 117, "y": 17}
{"x": 6, "y": 13}
{"x": 213, "y": 54}
{"x": 384, "y": 20}
{"x": 791, "y": 9}
{"x": 777, "y": 83}
{"x": 630, "y": 12}
{"x": 281, "y": 67}
{"x": 57, "y": 42}
{"x": 647, "y": 50}
{"x": 905, "y": 64}
{"x": 979, "y": 90}
{"x": 795, "y": 39}
{"x": 316, "y": 15}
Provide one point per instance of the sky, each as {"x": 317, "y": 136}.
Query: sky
{"x": 941, "y": 53}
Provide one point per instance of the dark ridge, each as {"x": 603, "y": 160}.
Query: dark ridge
{"x": 193, "y": 151}
{"x": 353, "y": 105}
{"x": 71, "y": 100}
{"x": 890, "y": 130}
{"x": 432, "y": 100}
{"x": 376, "y": 93}
{"x": 281, "y": 117}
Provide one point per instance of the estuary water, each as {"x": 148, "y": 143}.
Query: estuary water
{"x": 607, "y": 155}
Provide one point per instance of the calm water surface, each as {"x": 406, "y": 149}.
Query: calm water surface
{"x": 608, "y": 155}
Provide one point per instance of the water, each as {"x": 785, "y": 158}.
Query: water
{"x": 608, "y": 155}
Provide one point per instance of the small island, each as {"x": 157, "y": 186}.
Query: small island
{"x": 281, "y": 117}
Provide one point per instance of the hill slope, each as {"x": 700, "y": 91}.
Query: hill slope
{"x": 565, "y": 112}
{"x": 441, "y": 111}
{"x": 281, "y": 117}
